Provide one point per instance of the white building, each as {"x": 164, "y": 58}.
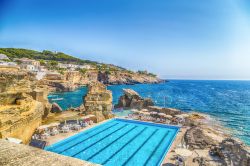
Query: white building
{"x": 85, "y": 67}
{"x": 2, "y": 63}
{"x": 29, "y": 64}
{"x": 3, "y": 57}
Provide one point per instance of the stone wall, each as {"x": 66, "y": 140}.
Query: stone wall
{"x": 98, "y": 101}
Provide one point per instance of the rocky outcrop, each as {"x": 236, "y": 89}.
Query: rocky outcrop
{"x": 98, "y": 101}
{"x": 56, "y": 108}
{"x": 196, "y": 139}
{"x": 22, "y": 104}
{"x": 123, "y": 77}
{"x": 234, "y": 153}
{"x": 132, "y": 100}
{"x": 168, "y": 111}
{"x": 70, "y": 80}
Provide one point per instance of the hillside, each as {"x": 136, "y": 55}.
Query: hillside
{"x": 44, "y": 55}
{"x": 106, "y": 73}
{"x": 47, "y": 55}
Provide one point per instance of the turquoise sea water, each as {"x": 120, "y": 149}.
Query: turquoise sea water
{"x": 227, "y": 101}
{"x": 119, "y": 142}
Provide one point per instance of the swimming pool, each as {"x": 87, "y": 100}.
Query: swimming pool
{"x": 119, "y": 142}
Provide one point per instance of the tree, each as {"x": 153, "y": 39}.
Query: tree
{"x": 82, "y": 71}
{"x": 42, "y": 62}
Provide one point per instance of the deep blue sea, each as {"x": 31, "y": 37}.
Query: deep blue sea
{"x": 227, "y": 101}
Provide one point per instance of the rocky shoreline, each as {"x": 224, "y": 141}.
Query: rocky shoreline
{"x": 70, "y": 80}
{"x": 210, "y": 142}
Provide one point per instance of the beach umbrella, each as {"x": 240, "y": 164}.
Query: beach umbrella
{"x": 168, "y": 116}
{"x": 43, "y": 127}
{"x": 182, "y": 116}
{"x": 161, "y": 114}
{"x": 153, "y": 113}
{"x": 144, "y": 110}
{"x": 146, "y": 113}
{"x": 91, "y": 115}
{"x": 135, "y": 111}
{"x": 54, "y": 124}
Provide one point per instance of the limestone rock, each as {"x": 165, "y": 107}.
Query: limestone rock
{"x": 196, "y": 139}
{"x": 22, "y": 105}
{"x": 56, "y": 108}
{"x": 131, "y": 99}
{"x": 234, "y": 153}
{"x": 98, "y": 101}
{"x": 168, "y": 111}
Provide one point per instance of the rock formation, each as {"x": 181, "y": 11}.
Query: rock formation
{"x": 196, "y": 139}
{"x": 70, "y": 80}
{"x": 56, "y": 108}
{"x": 168, "y": 111}
{"x": 131, "y": 99}
{"x": 98, "y": 101}
{"x": 234, "y": 153}
{"x": 22, "y": 104}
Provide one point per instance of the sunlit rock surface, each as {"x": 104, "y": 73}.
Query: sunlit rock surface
{"x": 22, "y": 104}
{"x": 98, "y": 101}
{"x": 131, "y": 99}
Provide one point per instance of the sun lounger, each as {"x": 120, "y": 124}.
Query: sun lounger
{"x": 65, "y": 129}
{"x": 179, "y": 161}
{"x": 38, "y": 143}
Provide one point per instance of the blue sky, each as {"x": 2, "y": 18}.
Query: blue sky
{"x": 192, "y": 39}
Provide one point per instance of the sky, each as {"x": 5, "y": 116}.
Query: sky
{"x": 176, "y": 39}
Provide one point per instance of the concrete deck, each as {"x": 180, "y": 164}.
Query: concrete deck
{"x": 12, "y": 154}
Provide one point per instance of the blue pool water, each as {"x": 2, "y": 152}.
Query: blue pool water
{"x": 119, "y": 142}
{"x": 227, "y": 101}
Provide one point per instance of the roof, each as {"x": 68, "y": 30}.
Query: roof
{"x": 3, "y": 56}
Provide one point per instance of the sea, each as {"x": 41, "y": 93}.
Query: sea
{"x": 226, "y": 101}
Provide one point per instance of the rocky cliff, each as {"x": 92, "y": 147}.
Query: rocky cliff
{"x": 123, "y": 77}
{"x": 22, "y": 104}
{"x": 70, "y": 80}
{"x": 132, "y": 99}
{"x": 98, "y": 101}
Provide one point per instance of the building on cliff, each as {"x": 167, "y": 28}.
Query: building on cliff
{"x": 3, "y": 57}
{"x": 29, "y": 64}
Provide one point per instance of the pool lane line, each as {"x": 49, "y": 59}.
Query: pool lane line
{"x": 145, "y": 141}
{"x": 99, "y": 140}
{"x": 80, "y": 136}
{"x": 111, "y": 143}
{"x": 129, "y": 141}
{"x": 87, "y": 138}
{"x": 155, "y": 149}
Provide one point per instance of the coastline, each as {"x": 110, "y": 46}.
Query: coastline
{"x": 213, "y": 119}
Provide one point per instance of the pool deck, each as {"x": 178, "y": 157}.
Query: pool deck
{"x": 53, "y": 139}
{"x": 12, "y": 154}
{"x": 167, "y": 158}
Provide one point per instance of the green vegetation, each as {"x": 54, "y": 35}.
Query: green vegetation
{"x": 44, "y": 55}
{"x": 145, "y": 72}
{"x": 82, "y": 71}
{"x": 51, "y": 59}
